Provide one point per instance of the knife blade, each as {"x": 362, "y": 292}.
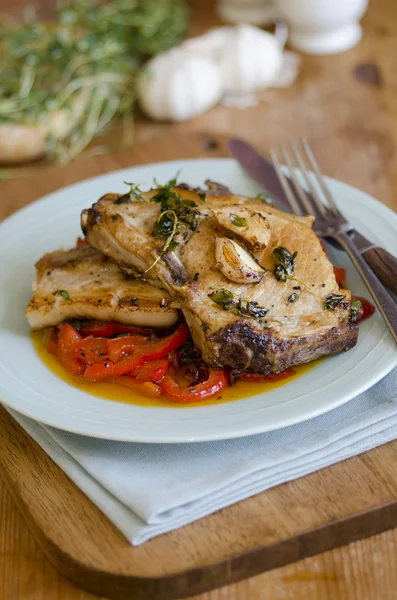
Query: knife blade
{"x": 262, "y": 171}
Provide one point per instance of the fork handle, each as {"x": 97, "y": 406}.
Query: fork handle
{"x": 384, "y": 265}
{"x": 385, "y": 303}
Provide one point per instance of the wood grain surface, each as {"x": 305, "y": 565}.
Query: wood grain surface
{"x": 326, "y": 509}
{"x": 346, "y": 104}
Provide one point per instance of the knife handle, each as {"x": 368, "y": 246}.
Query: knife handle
{"x": 384, "y": 265}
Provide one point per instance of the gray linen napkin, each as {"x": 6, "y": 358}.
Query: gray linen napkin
{"x": 149, "y": 489}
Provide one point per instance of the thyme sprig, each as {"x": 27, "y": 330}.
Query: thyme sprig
{"x": 177, "y": 217}
{"x": 166, "y": 226}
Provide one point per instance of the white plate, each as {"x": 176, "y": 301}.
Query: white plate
{"x": 27, "y": 386}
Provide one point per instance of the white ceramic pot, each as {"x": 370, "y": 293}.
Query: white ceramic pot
{"x": 253, "y": 12}
{"x": 323, "y": 26}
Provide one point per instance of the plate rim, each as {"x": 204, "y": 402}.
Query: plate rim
{"x": 385, "y": 211}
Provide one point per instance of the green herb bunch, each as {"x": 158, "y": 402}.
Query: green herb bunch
{"x": 75, "y": 75}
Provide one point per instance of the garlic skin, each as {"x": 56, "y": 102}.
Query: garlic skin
{"x": 235, "y": 263}
{"x": 250, "y": 225}
{"x": 249, "y": 61}
{"x": 209, "y": 44}
{"x": 176, "y": 85}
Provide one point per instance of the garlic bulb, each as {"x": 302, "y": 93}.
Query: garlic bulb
{"x": 209, "y": 44}
{"x": 249, "y": 61}
{"x": 176, "y": 85}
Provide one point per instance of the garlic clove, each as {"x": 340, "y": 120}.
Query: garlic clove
{"x": 235, "y": 263}
{"x": 250, "y": 225}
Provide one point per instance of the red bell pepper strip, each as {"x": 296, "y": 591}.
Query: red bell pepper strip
{"x": 92, "y": 350}
{"x": 153, "y": 370}
{"x": 216, "y": 382}
{"x": 120, "y": 328}
{"x": 146, "y": 388}
{"x": 150, "y": 352}
{"x": 75, "y": 366}
{"x": 69, "y": 338}
{"x": 97, "y": 329}
{"x": 68, "y": 343}
{"x": 108, "y": 329}
{"x": 81, "y": 242}
{"x": 340, "y": 276}
{"x": 111, "y": 369}
{"x": 259, "y": 378}
{"x": 122, "y": 347}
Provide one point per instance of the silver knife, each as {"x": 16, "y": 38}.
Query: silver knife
{"x": 262, "y": 171}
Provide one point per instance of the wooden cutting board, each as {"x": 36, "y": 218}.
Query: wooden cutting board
{"x": 337, "y": 505}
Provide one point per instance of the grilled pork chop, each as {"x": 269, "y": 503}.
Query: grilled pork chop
{"x": 255, "y": 285}
{"x": 83, "y": 284}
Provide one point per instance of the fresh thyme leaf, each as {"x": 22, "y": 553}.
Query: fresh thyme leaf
{"x": 238, "y": 306}
{"x": 355, "y": 308}
{"x": 356, "y": 305}
{"x": 223, "y": 298}
{"x": 166, "y": 224}
{"x": 251, "y": 309}
{"x": 333, "y": 300}
{"x": 263, "y": 197}
{"x": 281, "y": 273}
{"x": 238, "y": 221}
{"x": 285, "y": 258}
{"x": 194, "y": 221}
{"x": 133, "y": 193}
{"x": 63, "y": 293}
{"x": 285, "y": 263}
{"x": 165, "y": 196}
{"x": 172, "y": 246}
{"x": 294, "y": 297}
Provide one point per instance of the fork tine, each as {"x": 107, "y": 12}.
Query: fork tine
{"x": 320, "y": 176}
{"x": 299, "y": 190}
{"x": 284, "y": 184}
{"x": 320, "y": 208}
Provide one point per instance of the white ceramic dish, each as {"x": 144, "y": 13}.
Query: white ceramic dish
{"x": 27, "y": 386}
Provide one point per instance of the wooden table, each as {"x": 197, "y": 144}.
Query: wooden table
{"x": 347, "y": 105}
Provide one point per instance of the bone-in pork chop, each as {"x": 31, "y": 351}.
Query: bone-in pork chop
{"x": 82, "y": 283}
{"x": 255, "y": 285}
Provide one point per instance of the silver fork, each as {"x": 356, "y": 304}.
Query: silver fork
{"x": 330, "y": 222}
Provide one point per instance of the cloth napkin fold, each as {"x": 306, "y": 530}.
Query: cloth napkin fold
{"x": 150, "y": 489}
